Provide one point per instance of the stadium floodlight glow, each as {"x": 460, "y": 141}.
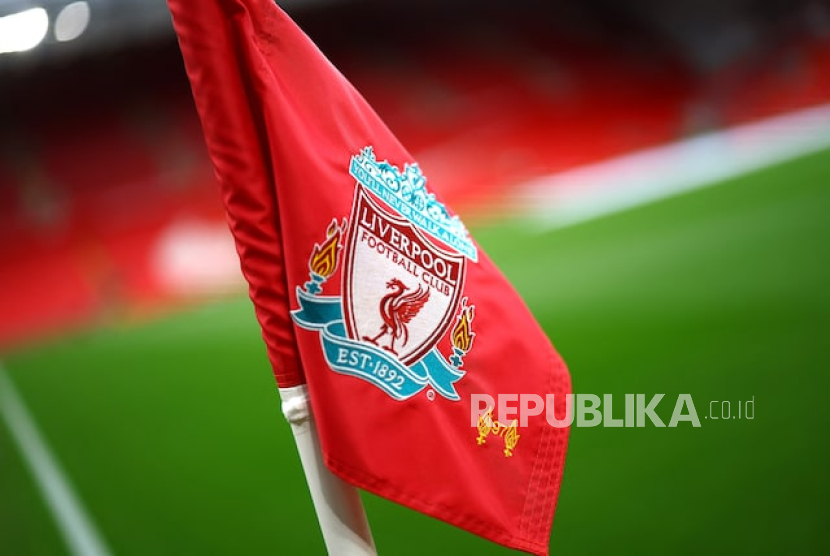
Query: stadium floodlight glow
{"x": 23, "y": 31}
{"x": 72, "y": 21}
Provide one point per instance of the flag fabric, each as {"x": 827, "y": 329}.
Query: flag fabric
{"x": 368, "y": 288}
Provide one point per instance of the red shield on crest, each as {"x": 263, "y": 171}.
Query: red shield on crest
{"x": 401, "y": 289}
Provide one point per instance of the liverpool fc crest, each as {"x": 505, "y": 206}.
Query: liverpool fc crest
{"x": 400, "y": 288}
{"x": 402, "y": 285}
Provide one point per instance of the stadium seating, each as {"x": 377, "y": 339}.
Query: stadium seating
{"x": 81, "y": 222}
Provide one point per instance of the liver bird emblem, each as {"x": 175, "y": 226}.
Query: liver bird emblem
{"x": 397, "y": 309}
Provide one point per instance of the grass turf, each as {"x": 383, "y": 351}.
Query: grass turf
{"x": 172, "y": 435}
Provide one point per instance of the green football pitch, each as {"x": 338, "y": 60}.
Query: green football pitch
{"x": 171, "y": 433}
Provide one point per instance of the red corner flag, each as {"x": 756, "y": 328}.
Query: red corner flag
{"x": 369, "y": 289}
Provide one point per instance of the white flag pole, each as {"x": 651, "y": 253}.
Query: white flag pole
{"x": 337, "y": 503}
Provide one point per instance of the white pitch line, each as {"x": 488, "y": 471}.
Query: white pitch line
{"x": 631, "y": 180}
{"x": 79, "y": 533}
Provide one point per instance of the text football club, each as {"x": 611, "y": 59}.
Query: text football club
{"x": 401, "y": 287}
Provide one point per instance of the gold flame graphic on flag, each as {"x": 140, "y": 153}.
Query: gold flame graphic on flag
{"x": 462, "y": 334}
{"x": 323, "y": 261}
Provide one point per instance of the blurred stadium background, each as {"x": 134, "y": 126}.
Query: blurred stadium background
{"x": 126, "y": 330}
